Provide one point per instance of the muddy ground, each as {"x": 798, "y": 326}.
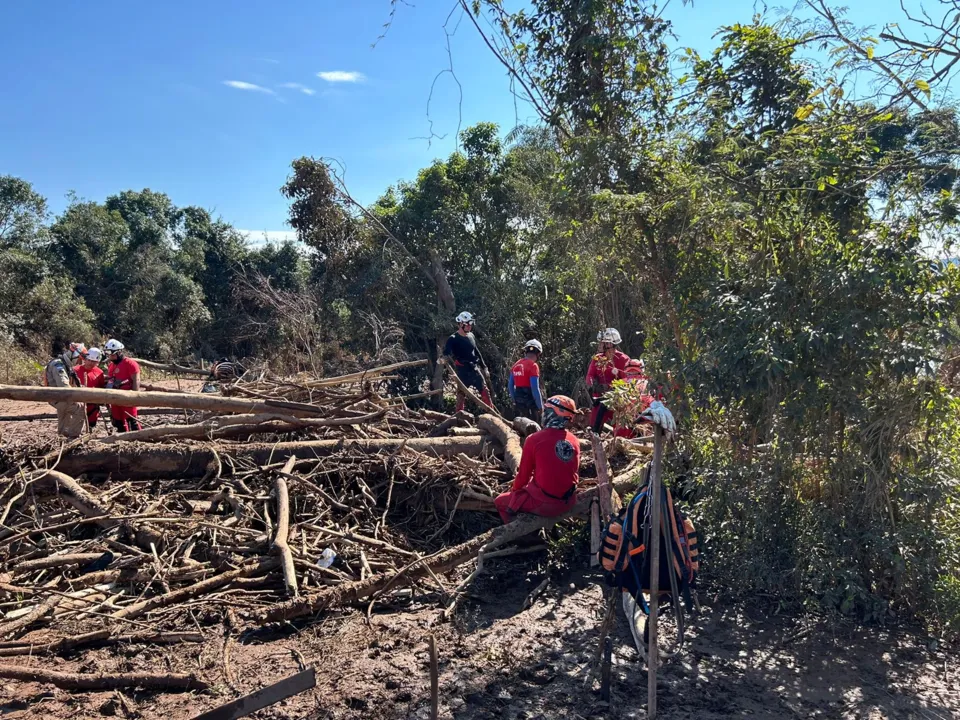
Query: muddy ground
{"x": 498, "y": 660}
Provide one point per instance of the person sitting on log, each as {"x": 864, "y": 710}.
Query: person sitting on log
{"x": 546, "y": 482}
{"x": 468, "y": 363}
{"x": 524, "y": 383}
{"x": 59, "y": 373}
{"x": 90, "y": 375}
{"x": 123, "y": 374}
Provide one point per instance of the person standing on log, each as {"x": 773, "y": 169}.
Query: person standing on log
{"x": 90, "y": 375}
{"x": 524, "y": 383}
{"x": 468, "y": 363}
{"x": 546, "y": 482}
{"x": 605, "y": 367}
{"x": 59, "y": 373}
{"x": 122, "y": 374}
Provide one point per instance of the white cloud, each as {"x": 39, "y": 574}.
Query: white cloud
{"x": 240, "y": 85}
{"x": 342, "y": 76}
{"x": 259, "y": 238}
{"x": 297, "y": 86}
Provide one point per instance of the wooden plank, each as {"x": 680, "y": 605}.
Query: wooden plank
{"x": 265, "y": 697}
{"x": 595, "y": 533}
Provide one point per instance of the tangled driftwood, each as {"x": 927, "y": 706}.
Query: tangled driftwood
{"x": 345, "y": 497}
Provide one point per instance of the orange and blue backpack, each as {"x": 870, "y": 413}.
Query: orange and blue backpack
{"x": 624, "y": 551}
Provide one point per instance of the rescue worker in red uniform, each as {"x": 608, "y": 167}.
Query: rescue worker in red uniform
{"x": 524, "y": 383}
{"x": 461, "y": 349}
{"x": 546, "y": 482}
{"x": 605, "y": 367}
{"x": 122, "y": 374}
{"x": 634, "y": 373}
{"x": 91, "y": 376}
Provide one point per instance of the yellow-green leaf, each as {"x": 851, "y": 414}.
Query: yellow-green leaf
{"x": 804, "y": 112}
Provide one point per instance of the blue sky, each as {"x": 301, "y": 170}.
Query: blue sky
{"x": 210, "y": 101}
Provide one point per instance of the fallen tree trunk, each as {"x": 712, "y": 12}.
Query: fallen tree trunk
{"x": 53, "y": 416}
{"x": 508, "y": 439}
{"x": 130, "y": 398}
{"x": 173, "y": 368}
{"x": 103, "y": 681}
{"x": 371, "y": 374}
{"x": 138, "y": 461}
{"x": 218, "y": 426}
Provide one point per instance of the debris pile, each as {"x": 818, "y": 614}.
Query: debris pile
{"x": 323, "y": 494}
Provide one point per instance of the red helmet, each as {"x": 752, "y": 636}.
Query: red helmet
{"x": 634, "y": 368}
{"x": 561, "y": 405}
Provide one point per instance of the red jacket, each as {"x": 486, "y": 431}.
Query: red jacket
{"x": 600, "y": 371}
{"x": 551, "y": 458}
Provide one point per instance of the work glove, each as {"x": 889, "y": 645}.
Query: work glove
{"x": 658, "y": 414}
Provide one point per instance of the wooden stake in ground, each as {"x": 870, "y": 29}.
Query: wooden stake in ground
{"x": 653, "y": 658}
{"x": 434, "y": 680}
{"x": 283, "y": 528}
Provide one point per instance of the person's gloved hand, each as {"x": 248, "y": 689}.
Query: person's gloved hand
{"x": 658, "y": 414}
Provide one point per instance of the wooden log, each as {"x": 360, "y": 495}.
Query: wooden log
{"x": 56, "y": 561}
{"x": 73, "y": 642}
{"x": 42, "y": 609}
{"x": 262, "y": 698}
{"x": 173, "y": 368}
{"x": 508, "y": 439}
{"x": 213, "y": 427}
{"x": 365, "y": 374}
{"x": 461, "y": 418}
{"x": 139, "y": 461}
{"x": 280, "y": 545}
{"x": 103, "y": 681}
{"x": 603, "y": 477}
{"x": 53, "y": 416}
{"x": 129, "y": 398}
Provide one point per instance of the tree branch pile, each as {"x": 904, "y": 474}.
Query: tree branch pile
{"x": 136, "y": 536}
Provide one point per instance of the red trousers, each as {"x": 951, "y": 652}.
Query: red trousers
{"x": 531, "y": 499}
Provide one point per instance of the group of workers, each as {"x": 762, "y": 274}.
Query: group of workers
{"x": 546, "y": 481}
{"x": 78, "y": 366}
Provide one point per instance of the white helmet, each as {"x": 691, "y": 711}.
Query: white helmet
{"x": 465, "y": 317}
{"x": 113, "y": 346}
{"x": 94, "y": 354}
{"x": 609, "y": 335}
{"x": 535, "y": 344}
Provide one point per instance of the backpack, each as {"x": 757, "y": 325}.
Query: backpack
{"x": 626, "y": 561}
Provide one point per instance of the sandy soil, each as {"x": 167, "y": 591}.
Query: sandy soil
{"x": 498, "y": 660}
